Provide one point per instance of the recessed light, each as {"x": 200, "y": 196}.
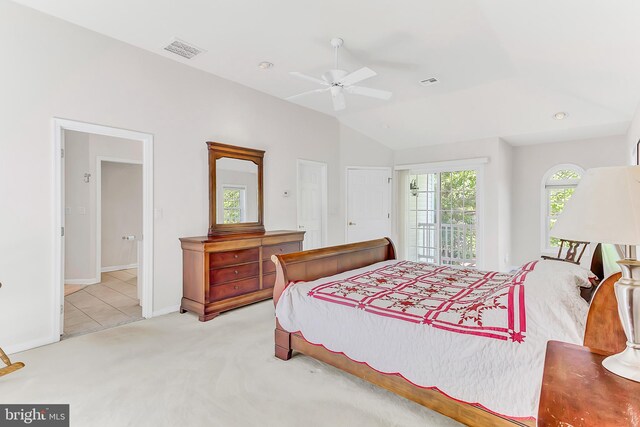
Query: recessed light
{"x": 561, "y": 115}
{"x": 265, "y": 65}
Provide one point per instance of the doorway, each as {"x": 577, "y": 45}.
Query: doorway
{"x": 442, "y": 220}
{"x": 103, "y": 207}
{"x": 368, "y": 203}
{"x": 312, "y": 203}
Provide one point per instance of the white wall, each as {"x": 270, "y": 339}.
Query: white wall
{"x": 504, "y": 184}
{"x": 61, "y": 70}
{"x": 495, "y": 234}
{"x": 530, "y": 163}
{"x": 79, "y": 264}
{"x": 121, "y": 213}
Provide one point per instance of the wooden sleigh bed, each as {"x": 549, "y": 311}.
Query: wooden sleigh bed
{"x": 603, "y": 331}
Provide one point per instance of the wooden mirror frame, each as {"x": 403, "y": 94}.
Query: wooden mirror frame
{"x": 217, "y": 151}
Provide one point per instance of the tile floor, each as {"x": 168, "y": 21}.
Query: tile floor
{"x": 111, "y": 302}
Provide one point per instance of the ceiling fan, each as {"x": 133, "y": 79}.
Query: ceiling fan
{"x": 337, "y": 82}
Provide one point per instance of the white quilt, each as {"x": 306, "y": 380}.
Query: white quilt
{"x": 503, "y": 375}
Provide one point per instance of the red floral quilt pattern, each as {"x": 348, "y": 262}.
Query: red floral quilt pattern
{"x": 462, "y": 300}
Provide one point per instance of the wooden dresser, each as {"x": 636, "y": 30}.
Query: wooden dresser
{"x": 223, "y": 272}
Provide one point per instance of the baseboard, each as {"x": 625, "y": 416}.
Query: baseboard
{"x": 118, "y": 267}
{"x": 166, "y": 310}
{"x": 81, "y": 281}
{"x": 17, "y": 348}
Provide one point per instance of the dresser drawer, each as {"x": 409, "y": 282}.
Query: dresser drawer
{"x": 283, "y": 248}
{"x": 268, "y": 281}
{"x": 223, "y": 259}
{"x": 222, "y": 275}
{"x": 228, "y": 290}
{"x": 268, "y": 267}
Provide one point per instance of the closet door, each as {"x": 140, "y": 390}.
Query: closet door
{"x": 368, "y": 203}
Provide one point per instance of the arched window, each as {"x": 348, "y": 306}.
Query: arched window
{"x": 558, "y": 186}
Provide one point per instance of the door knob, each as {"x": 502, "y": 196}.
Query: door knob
{"x": 352, "y": 223}
{"x": 301, "y": 226}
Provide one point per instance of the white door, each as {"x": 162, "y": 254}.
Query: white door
{"x": 312, "y": 202}
{"x": 368, "y": 204}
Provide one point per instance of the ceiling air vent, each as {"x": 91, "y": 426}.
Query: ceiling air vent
{"x": 428, "y": 82}
{"x": 184, "y": 49}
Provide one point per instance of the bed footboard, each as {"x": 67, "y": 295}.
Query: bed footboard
{"x": 283, "y": 343}
{"x": 311, "y": 265}
{"x": 317, "y": 263}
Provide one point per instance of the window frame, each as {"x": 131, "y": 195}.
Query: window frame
{"x": 243, "y": 200}
{"x": 545, "y": 236}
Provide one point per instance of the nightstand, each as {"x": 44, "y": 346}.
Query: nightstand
{"x": 578, "y": 391}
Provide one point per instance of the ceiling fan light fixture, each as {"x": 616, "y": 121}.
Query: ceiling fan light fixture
{"x": 265, "y": 65}
{"x": 338, "y": 82}
{"x": 560, "y": 115}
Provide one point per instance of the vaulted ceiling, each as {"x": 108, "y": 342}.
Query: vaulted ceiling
{"x": 504, "y": 66}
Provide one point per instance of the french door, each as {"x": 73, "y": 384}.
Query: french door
{"x": 441, "y": 227}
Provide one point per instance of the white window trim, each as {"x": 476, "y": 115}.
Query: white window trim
{"x": 544, "y": 202}
{"x": 243, "y": 199}
{"x": 445, "y": 166}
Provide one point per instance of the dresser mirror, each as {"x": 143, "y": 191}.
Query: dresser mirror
{"x": 235, "y": 189}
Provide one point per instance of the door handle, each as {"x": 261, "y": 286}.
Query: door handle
{"x": 128, "y": 237}
{"x": 352, "y": 223}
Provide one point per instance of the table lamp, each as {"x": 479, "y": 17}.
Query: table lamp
{"x": 605, "y": 208}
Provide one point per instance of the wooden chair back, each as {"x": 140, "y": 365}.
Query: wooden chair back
{"x": 574, "y": 251}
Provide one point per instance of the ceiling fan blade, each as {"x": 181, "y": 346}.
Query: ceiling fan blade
{"x": 308, "y": 78}
{"x": 339, "y": 102}
{"x": 309, "y": 92}
{"x": 356, "y": 76}
{"x": 367, "y": 91}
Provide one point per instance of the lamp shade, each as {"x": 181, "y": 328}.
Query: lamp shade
{"x": 605, "y": 208}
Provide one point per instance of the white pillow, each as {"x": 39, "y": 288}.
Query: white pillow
{"x": 580, "y": 274}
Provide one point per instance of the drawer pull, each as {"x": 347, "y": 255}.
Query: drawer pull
{"x": 236, "y": 271}
{"x": 235, "y": 256}
{"x": 236, "y": 287}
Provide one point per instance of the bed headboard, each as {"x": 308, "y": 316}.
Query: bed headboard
{"x": 313, "y": 264}
{"x": 597, "y": 266}
{"x": 604, "y": 330}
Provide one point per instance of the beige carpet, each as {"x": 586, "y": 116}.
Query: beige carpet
{"x": 176, "y": 371}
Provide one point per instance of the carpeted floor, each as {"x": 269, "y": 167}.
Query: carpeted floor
{"x": 176, "y": 371}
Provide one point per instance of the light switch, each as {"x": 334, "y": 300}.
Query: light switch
{"x": 67, "y": 210}
{"x": 157, "y": 213}
{"x": 82, "y": 210}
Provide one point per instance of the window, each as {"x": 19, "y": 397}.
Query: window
{"x": 234, "y": 202}
{"x": 442, "y": 217}
{"x": 559, "y": 183}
